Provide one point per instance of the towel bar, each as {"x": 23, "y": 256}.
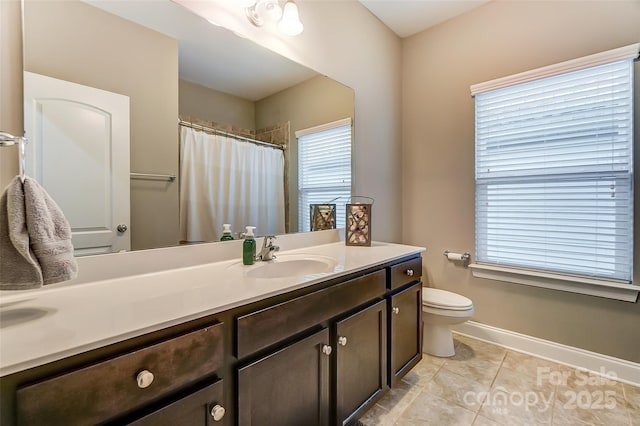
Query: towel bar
{"x": 152, "y": 176}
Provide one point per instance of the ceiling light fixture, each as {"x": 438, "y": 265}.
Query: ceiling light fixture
{"x": 260, "y": 11}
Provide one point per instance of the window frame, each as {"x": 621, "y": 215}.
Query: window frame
{"x": 303, "y": 218}
{"x": 602, "y": 287}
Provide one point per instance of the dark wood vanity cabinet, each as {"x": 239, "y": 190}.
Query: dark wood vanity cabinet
{"x": 203, "y": 407}
{"x": 320, "y": 355}
{"x": 289, "y": 387}
{"x": 323, "y": 379}
{"x": 303, "y": 383}
{"x": 371, "y": 337}
{"x": 115, "y": 386}
{"x": 405, "y": 326}
{"x": 361, "y": 360}
{"x": 404, "y": 317}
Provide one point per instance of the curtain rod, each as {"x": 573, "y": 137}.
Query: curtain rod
{"x": 231, "y": 135}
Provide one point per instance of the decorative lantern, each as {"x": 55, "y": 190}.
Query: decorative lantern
{"x": 358, "y": 226}
{"x": 323, "y": 216}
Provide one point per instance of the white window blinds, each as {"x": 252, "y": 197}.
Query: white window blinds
{"x": 554, "y": 165}
{"x": 324, "y": 170}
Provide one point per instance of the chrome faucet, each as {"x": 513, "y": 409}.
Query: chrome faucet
{"x": 266, "y": 253}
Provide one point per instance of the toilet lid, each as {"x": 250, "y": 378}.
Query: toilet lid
{"x": 437, "y": 298}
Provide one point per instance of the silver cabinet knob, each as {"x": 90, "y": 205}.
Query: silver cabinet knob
{"x": 395, "y": 310}
{"x": 342, "y": 341}
{"x": 144, "y": 379}
{"x": 217, "y": 412}
{"x": 409, "y": 272}
{"x": 326, "y": 349}
{"x": 122, "y": 228}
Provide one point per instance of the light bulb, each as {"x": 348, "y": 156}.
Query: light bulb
{"x": 290, "y": 23}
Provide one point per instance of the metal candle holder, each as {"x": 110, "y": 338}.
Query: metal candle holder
{"x": 323, "y": 216}
{"x": 358, "y": 226}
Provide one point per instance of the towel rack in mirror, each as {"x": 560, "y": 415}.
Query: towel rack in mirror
{"x": 153, "y": 176}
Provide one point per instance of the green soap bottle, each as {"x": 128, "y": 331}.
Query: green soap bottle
{"x": 249, "y": 247}
{"x": 226, "y": 233}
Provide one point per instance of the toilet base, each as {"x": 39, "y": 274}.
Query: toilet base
{"x": 437, "y": 340}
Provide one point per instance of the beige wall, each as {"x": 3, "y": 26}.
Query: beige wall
{"x": 208, "y": 104}
{"x": 10, "y": 85}
{"x": 316, "y": 101}
{"x": 76, "y": 42}
{"x": 439, "y": 65}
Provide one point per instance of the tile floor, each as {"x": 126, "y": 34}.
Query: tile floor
{"x": 486, "y": 385}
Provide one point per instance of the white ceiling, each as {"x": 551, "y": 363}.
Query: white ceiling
{"x": 406, "y": 17}
{"x": 213, "y": 56}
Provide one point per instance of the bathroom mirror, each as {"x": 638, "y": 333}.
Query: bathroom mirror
{"x": 171, "y": 63}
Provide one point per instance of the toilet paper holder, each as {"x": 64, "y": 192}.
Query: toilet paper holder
{"x": 465, "y": 257}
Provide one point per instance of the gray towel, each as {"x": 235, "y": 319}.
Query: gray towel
{"x": 38, "y": 232}
{"x": 19, "y": 268}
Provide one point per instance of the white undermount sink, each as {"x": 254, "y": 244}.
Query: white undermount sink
{"x": 291, "y": 265}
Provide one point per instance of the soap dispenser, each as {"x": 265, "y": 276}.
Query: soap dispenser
{"x": 226, "y": 233}
{"x": 249, "y": 247}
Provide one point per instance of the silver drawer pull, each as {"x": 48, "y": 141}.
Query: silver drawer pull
{"x": 342, "y": 341}
{"x": 395, "y": 310}
{"x": 217, "y": 412}
{"x": 326, "y": 349}
{"x": 409, "y": 272}
{"x": 144, "y": 379}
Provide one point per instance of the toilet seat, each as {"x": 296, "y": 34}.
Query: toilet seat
{"x": 442, "y": 299}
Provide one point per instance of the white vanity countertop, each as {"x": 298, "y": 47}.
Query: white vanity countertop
{"x": 45, "y": 325}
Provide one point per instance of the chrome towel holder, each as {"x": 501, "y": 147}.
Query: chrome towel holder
{"x": 7, "y": 139}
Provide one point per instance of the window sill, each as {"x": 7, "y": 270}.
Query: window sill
{"x": 573, "y": 284}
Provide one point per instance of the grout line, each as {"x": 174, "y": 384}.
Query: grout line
{"x": 627, "y": 405}
{"x": 553, "y": 406}
{"x": 419, "y": 391}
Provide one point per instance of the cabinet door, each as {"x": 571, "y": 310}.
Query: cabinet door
{"x": 289, "y": 387}
{"x": 203, "y": 407}
{"x": 405, "y": 321}
{"x": 361, "y": 360}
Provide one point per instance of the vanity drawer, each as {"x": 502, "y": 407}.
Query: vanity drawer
{"x": 405, "y": 272}
{"x": 102, "y": 391}
{"x": 263, "y": 328}
{"x": 202, "y": 407}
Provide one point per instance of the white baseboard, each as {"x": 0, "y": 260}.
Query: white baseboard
{"x": 623, "y": 370}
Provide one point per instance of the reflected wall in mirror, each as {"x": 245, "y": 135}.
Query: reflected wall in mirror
{"x": 171, "y": 63}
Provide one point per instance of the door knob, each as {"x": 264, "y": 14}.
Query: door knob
{"x": 395, "y": 310}
{"x": 342, "y": 341}
{"x": 326, "y": 349}
{"x": 144, "y": 379}
{"x": 122, "y": 228}
{"x": 217, "y": 412}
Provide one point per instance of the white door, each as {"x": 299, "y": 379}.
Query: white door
{"x": 78, "y": 150}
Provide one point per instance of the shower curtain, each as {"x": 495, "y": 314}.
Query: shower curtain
{"x": 223, "y": 180}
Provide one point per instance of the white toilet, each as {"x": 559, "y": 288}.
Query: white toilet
{"x": 440, "y": 310}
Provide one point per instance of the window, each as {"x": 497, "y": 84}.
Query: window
{"x": 324, "y": 169}
{"x": 554, "y": 169}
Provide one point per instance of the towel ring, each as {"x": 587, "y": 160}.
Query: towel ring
{"x": 22, "y": 158}
{"x": 7, "y": 139}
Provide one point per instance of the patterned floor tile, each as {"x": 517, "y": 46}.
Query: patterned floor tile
{"x": 486, "y": 385}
